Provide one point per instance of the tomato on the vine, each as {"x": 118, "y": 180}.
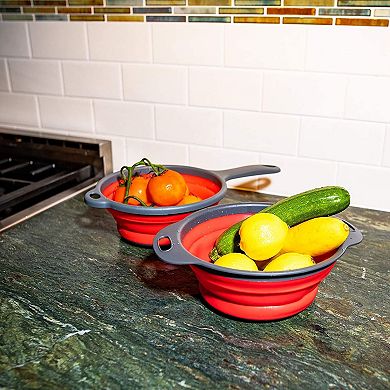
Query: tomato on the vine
{"x": 188, "y": 199}
{"x": 167, "y": 188}
{"x": 119, "y": 194}
{"x": 138, "y": 189}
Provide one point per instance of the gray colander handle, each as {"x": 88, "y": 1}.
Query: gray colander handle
{"x": 248, "y": 170}
{"x": 94, "y": 198}
{"x": 175, "y": 253}
{"x": 354, "y": 237}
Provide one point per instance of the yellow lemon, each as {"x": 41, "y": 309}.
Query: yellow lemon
{"x": 262, "y": 235}
{"x": 237, "y": 261}
{"x": 316, "y": 236}
{"x": 289, "y": 261}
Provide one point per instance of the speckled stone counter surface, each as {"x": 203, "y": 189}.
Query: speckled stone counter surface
{"x": 83, "y": 309}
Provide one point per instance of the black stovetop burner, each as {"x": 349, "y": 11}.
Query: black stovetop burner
{"x": 37, "y": 172}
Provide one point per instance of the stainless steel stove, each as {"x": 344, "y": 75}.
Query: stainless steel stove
{"x": 39, "y": 171}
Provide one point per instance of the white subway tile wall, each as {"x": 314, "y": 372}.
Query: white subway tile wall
{"x": 157, "y": 151}
{"x": 283, "y": 51}
{"x": 299, "y": 174}
{"x": 92, "y": 79}
{"x": 58, "y": 41}
{"x": 368, "y": 98}
{"x": 364, "y": 182}
{"x": 194, "y": 45}
{"x": 189, "y": 125}
{"x": 35, "y": 76}
{"x": 312, "y": 100}
{"x": 304, "y": 93}
{"x": 128, "y": 42}
{"x": 342, "y": 140}
{"x": 4, "y": 85}
{"x": 18, "y": 109}
{"x": 66, "y": 113}
{"x": 256, "y": 131}
{"x": 14, "y": 40}
{"x": 124, "y": 118}
{"x": 218, "y": 158}
{"x": 155, "y": 83}
{"x": 225, "y": 88}
{"x": 358, "y": 51}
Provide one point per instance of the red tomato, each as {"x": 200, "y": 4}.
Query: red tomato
{"x": 189, "y": 199}
{"x": 119, "y": 195}
{"x": 138, "y": 188}
{"x": 167, "y": 189}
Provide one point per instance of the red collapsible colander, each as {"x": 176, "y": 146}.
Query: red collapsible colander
{"x": 252, "y": 295}
{"x": 139, "y": 224}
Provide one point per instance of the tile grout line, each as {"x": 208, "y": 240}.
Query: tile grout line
{"x": 87, "y": 43}
{"x": 385, "y": 138}
{"x": 93, "y": 116}
{"x": 337, "y": 170}
{"x": 62, "y": 78}
{"x": 121, "y": 83}
{"x": 7, "y": 75}
{"x": 154, "y": 121}
{"x": 37, "y": 107}
{"x": 29, "y": 45}
{"x": 298, "y": 137}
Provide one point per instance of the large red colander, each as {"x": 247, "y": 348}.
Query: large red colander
{"x": 139, "y": 224}
{"x": 245, "y": 294}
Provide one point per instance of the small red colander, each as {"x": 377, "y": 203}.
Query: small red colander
{"x": 139, "y": 224}
{"x": 244, "y": 294}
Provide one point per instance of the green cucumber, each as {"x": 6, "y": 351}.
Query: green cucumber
{"x": 319, "y": 202}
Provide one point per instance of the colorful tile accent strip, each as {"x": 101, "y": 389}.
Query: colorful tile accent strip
{"x": 39, "y": 10}
{"x": 209, "y": 2}
{"x": 50, "y": 3}
{"x": 291, "y": 11}
{"x": 256, "y": 19}
{"x": 374, "y": 13}
{"x": 363, "y": 3}
{"x": 74, "y": 10}
{"x": 362, "y": 22}
{"x": 210, "y": 19}
{"x": 52, "y": 18}
{"x": 14, "y": 3}
{"x": 87, "y": 18}
{"x": 9, "y": 10}
{"x": 292, "y": 20}
{"x": 238, "y": 10}
{"x": 257, "y": 2}
{"x": 195, "y": 10}
{"x": 125, "y": 18}
{"x": 309, "y": 3}
{"x": 16, "y": 17}
{"x": 79, "y": 3}
{"x": 165, "y": 2}
{"x": 111, "y": 10}
{"x": 344, "y": 12}
{"x": 165, "y": 18}
{"x": 152, "y": 10}
{"x": 118, "y": 3}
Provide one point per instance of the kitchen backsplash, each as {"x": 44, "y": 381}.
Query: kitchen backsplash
{"x": 313, "y": 100}
{"x": 320, "y": 12}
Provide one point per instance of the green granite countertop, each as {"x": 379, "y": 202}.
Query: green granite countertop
{"x": 83, "y": 309}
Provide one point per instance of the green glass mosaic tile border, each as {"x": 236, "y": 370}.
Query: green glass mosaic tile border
{"x": 374, "y": 13}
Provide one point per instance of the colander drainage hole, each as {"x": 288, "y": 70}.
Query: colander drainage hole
{"x": 164, "y": 243}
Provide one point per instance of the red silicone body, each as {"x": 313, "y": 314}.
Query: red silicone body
{"x": 248, "y": 299}
{"x": 141, "y": 229}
